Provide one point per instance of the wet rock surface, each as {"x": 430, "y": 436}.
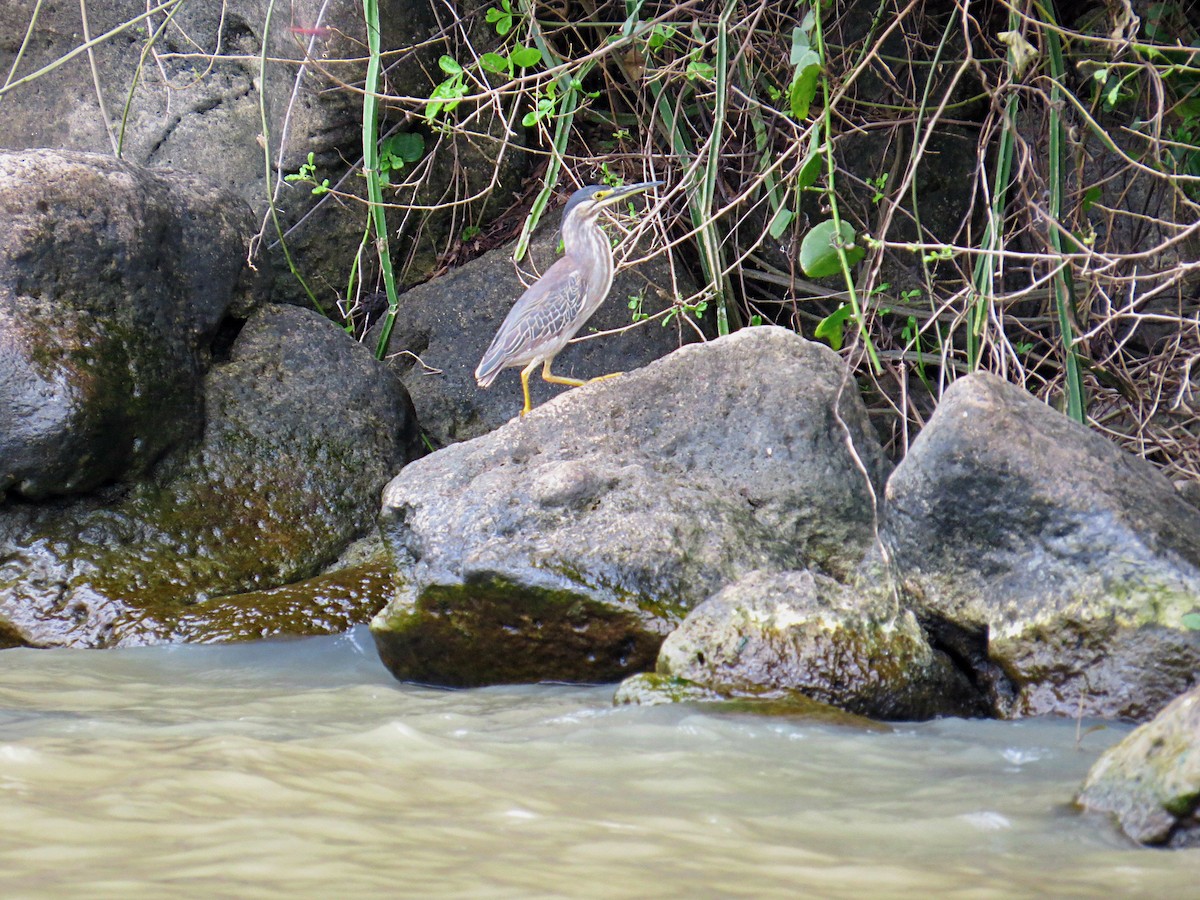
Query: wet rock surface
{"x": 653, "y": 689}
{"x": 448, "y": 323}
{"x": 617, "y": 507}
{"x": 113, "y": 283}
{"x": 1150, "y": 781}
{"x": 847, "y": 645}
{"x": 302, "y": 428}
{"x": 325, "y": 604}
{"x": 1053, "y": 566}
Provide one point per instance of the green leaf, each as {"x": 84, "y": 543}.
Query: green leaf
{"x": 502, "y": 19}
{"x": 406, "y": 146}
{"x": 818, "y": 251}
{"x": 524, "y": 57}
{"x": 804, "y": 86}
{"x": 810, "y": 166}
{"x": 1191, "y": 620}
{"x": 660, "y": 35}
{"x": 1188, "y": 108}
{"x": 780, "y": 223}
{"x": 701, "y": 70}
{"x": 1090, "y": 196}
{"x": 831, "y": 329}
{"x": 445, "y": 96}
{"x": 494, "y": 62}
{"x": 449, "y": 65}
{"x": 450, "y": 89}
{"x": 800, "y": 44}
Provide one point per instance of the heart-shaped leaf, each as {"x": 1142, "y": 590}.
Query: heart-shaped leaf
{"x": 819, "y": 249}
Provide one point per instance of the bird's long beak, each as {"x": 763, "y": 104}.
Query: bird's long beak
{"x": 614, "y": 195}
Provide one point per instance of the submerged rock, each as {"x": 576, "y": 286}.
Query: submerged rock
{"x": 302, "y": 428}
{"x": 652, "y": 689}
{"x": 449, "y": 322}
{"x": 565, "y": 545}
{"x": 325, "y": 604}
{"x": 847, "y": 645}
{"x": 1150, "y": 781}
{"x": 113, "y": 283}
{"x": 1052, "y": 564}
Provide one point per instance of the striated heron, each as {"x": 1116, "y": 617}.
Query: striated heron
{"x": 556, "y": 305}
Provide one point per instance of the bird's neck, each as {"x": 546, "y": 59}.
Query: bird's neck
{"x": 591, "y": 247}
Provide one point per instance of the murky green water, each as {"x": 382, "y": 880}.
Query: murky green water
{"x": 302, "y": 769}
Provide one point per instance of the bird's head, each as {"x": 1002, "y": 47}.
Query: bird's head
{"x": 590, "y": 200}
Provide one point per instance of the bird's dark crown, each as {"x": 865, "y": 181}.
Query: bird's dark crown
{"x": 603, "y": 195}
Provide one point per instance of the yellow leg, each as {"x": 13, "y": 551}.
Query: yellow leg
{"x": 553, "y": 379}
{"x": 525, "y": 373}
{"x": 573, "y": 382}
{"x": 604, "y": 377}
{"x": 558, "y": 379}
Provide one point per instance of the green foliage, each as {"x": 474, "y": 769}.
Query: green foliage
{"x": 376, "y": 217}
{"x": 503, "y": 18}
{"x": 546, "y": 104}
{"x": 819, "y": 251}
{"x": 609, "y": 177}
{"x": 308, "y": 175}
{"x": 507, "y": 64}
{"x": 446, "y": 96}
{"x": 659, "y": 36}
{"x": 396, "y": 151}
{"x": 791, "y": 154}
{"x": 807, "y": 63}
{"x": 637, "y": 301}
{"x": 879, "y": 185}
{"x": 832, "y": 328}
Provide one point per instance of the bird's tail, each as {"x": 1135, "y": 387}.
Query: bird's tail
{"x": 490, "y": 366}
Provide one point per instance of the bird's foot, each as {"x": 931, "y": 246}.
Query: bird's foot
{"x": 604, "y": 377}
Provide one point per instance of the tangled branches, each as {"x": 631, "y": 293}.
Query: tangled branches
{"x": 1007, "y": 191}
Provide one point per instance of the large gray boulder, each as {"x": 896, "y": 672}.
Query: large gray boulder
{"x": 446, "y": 325}
{"x": 301, "y": 429}
{"x": 1052, "y": 564}
{"x": 196, "y": 90}
{"x": 1150, "y": 781}
{"x": 848, "y": 645}
{"x": 565, "y": 545}
{"x": 114, "y": 281}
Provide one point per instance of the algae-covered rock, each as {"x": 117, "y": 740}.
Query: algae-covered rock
{"x": 652, "y": 689}
{"x": 1150, "y": 781}
{"x": 302, "y": 428}
{"x": 1056, "y": 566}
{"x": 847, "y": 645}
{"x": 325, "y": 604}
{"x": 113, "y": 283}
{"x": 578, "y": 536}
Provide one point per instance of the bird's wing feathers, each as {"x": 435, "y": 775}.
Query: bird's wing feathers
{"x": 542, "y": 320}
